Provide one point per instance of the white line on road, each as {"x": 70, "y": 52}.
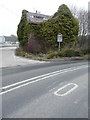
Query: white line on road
{"x": 38, "y": 78}
{"x": 65, "y": 86}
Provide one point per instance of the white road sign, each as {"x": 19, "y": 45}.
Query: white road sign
{"x": 59, "y": 38}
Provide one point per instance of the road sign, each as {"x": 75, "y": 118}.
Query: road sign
{"x": 59, "y": 38}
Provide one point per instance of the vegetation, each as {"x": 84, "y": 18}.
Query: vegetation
{"x": 67, "y": 53}
{"x": 40, "y": 41}
{"x": 20, "y": 52}
{"x": 52, "y": 55}
{"x": 22, "y": 31}
{"x": 44, "y": 35}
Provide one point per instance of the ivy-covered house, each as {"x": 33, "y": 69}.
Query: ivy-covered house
{"x": 38, "y": 33}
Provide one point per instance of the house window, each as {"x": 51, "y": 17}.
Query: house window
{"x": 45, "y": 18}
{"x": 31, "y": 16}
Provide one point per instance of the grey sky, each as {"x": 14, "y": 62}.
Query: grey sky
{"x": 10, "y": 11}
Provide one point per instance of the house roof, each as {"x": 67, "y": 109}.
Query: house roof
{"x": 36, "y": 18}
{"x": 55, "y": 15}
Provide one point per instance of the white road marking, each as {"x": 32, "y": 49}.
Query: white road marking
{"x": 69, "y": 91}
{"x": 37, "y": 79}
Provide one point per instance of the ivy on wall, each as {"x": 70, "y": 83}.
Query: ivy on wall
{"x": 46, "y": 32}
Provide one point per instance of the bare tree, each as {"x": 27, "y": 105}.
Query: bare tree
{"x": 82, "y": 16}
{"x": 83, "y": 22}
{"x": 74, "y": 10}
{"x": 89, "y": 18}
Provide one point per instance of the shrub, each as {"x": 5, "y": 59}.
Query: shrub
{"x": 22, "y": 53}
{"x": 17, "y": 51}
{"x": 69, "y": 53}
{"x": 40, "y": 55}
{"x": 77, "y": 53}
{"x": 41, "y": 59}
{"x": 84, "y": 51}
{"x": 60, "y": 54}
{"x": 28, "y": 56}
{"x": 51, "y": 55}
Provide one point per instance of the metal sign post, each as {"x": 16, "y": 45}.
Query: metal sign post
{"x": 59, "y": 46}
{"x": 59, "y": 39}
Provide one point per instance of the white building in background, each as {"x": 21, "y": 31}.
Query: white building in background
{"x": 2, "y": 39}
{"x": 8, "y": 41}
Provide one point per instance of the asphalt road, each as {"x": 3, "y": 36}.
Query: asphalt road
{"x": 53, "y": 90}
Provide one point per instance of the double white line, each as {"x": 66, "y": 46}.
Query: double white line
{"x": 26, "y": 82}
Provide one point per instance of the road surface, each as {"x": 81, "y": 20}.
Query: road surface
{"x": 49, "y": 90}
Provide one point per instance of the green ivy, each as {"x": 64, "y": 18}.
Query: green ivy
{"x": 46, "y": 32}
{"x": 22, "y": 31}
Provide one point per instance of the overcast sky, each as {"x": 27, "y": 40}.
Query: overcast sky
{"x": 10, "y": 11}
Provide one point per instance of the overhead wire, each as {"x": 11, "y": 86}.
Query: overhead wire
{"x": 9, "y": 10}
